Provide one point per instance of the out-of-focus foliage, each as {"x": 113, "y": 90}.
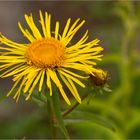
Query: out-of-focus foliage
{"x": 107, "y": 115}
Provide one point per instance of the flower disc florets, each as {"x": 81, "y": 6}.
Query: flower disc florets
{"x": 45, "y": 53}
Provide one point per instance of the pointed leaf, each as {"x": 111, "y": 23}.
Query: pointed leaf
{"x": 83, "y": 116}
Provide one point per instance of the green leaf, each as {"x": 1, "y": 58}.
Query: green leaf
{"x": 38, "y": 101}
{"x": 38, "y": 98}
{"x": 83, "y": 116}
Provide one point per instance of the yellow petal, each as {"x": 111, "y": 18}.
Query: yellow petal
{"x": 48, "y": 24}
{"x": 73, "y": 78}
{"x": 26, "y": 33}
{"x": 19, "y": 89}
{"x": 74, "y": 74}
{"x": 49, "y": 83}
{"x": 31, "y": 24}
{"x": 71, "y": 88}
{"x": 30, "y": 78}
{"x": 33, "y": 86}
{"x": 41, "y": 80}
{"x": 66, "y": 28}
{"x": 42, "y": 24}
{"x": 58, "y": 84}
{"x": 56, "y": 30}
{"x": 16, "y": 83}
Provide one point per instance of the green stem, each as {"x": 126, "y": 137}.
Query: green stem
{"x": 74, "y": 106}
{"x": 52, "y": 119}
{"x": 55, "y": 117}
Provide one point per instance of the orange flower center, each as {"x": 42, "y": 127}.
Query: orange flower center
{"x": 45, "y": 53}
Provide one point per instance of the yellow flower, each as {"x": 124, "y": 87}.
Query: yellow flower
{"x": 48, "y": 57}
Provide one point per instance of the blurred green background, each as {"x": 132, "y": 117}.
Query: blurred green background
{"x": 114, "y": 115}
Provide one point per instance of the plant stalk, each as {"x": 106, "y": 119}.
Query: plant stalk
{"x": 74, "y": 106}
{"x": 55, "y": 118}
